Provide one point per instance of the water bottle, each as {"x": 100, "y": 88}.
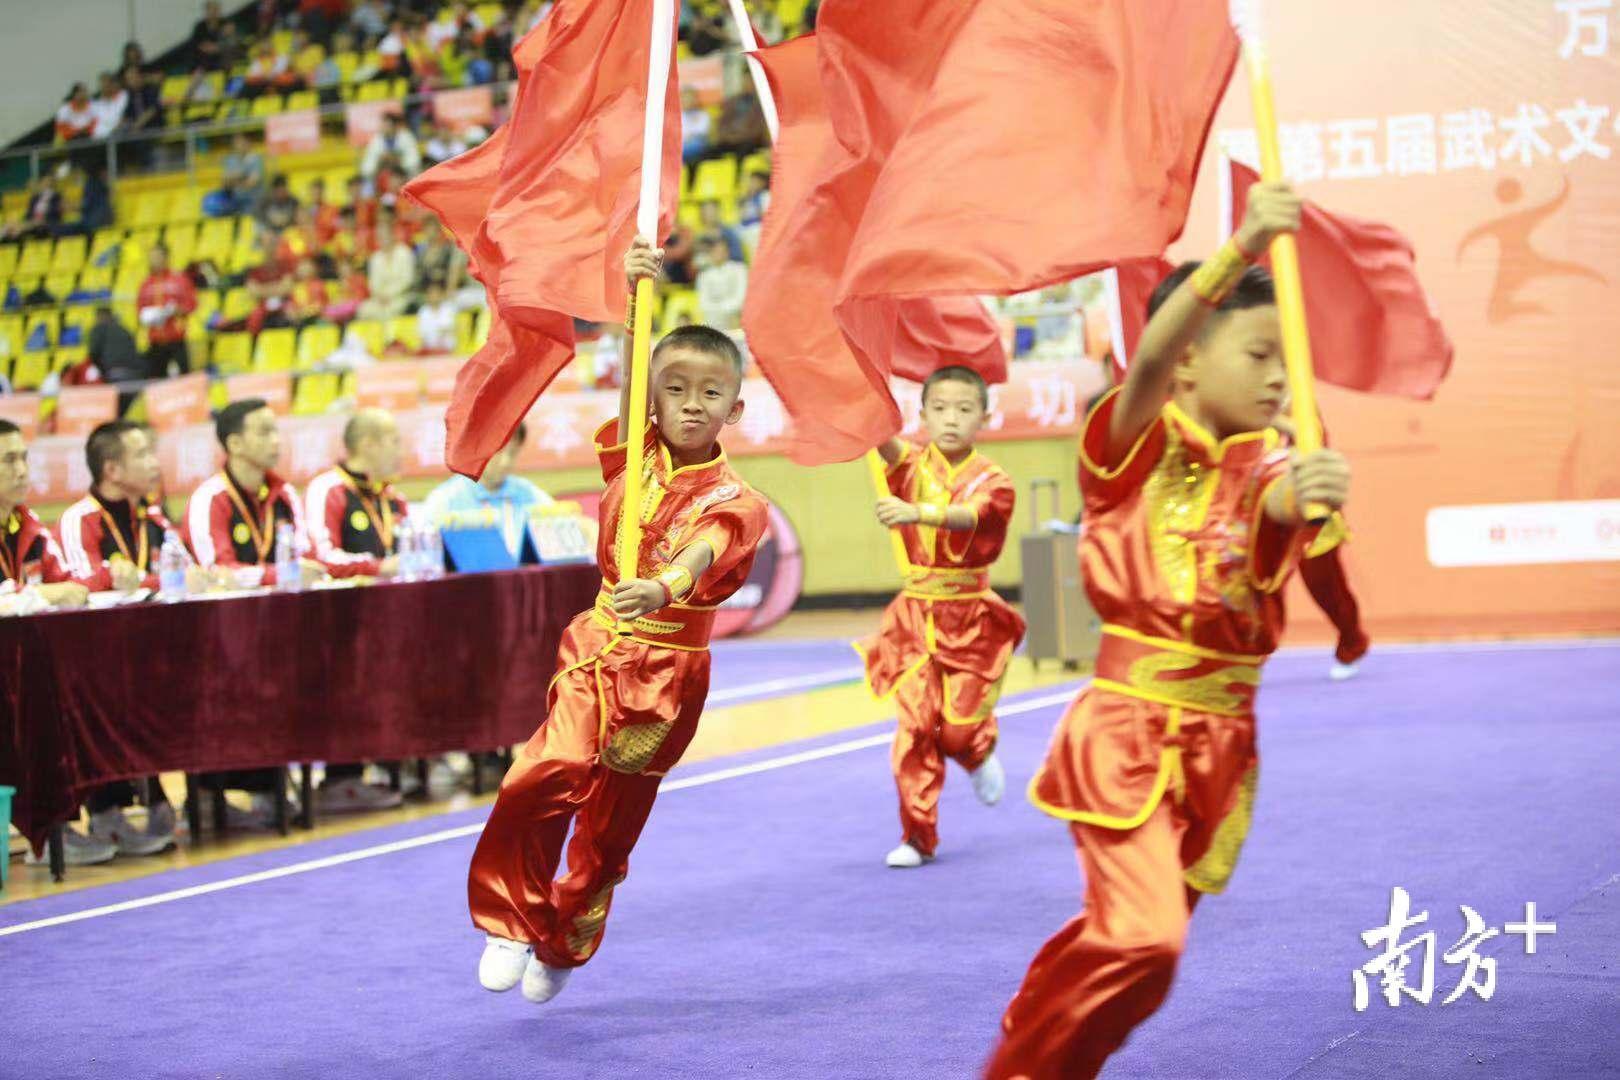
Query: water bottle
{"x": 405, "y": 550}
{"x": 172, "y": 564}
{"x": 289, "y": 577}
{"x": 432, "y": 551}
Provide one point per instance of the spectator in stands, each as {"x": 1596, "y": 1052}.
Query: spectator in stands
{"x": 352, "y": 512}
{"x": 497, "y": 46}
{"x": 443, "y": 145}
{"x": 390, "y": 276}
{"x": 741, "y": 129}
{"x": 721, "y": 285}
{"x": 436, "y": 319}
{"x": 326, "y": 217}
{"x": 440, "y": 259}
{"x": 309, "y": 300}
{"x": 680, "y": 252}
{"x": 498, "y": 490}
{"x": 112, "y": 350}
{"x": 242, "y": 180}
{"x": 319, "y": 18}
{"x": 145, "y": 91}
{"x": 213, "y": 39}
{"x": 132, "y": 56}
{"x": 270, "y": 71}
{"x": 767, "y": 23}
{"x": 301, "y": 239}
{"x": 370, "y": 18}
{"x": 270, "y": 285}
{"x": 75, "y": 119}
{"x": 305, "y": 57}
{"x": 108, "y": 107}
{"x": 166, "y": 298}
{"x": 95, "y": 202}
{"x": 705, "y": 30}
{"x": 43, "y": 216}
{"x": 279, "y": 209}
{"x": 327, "y": 78}
{"x": 751, "y": 207}
{"x": 364, "y": 207}
{"x": 709, "y": 211}
{"x": 393, "y": 143}
{"x": 391, "y": 49}
{"x": 29, "y": 555}
{"x": 696, "y": 126}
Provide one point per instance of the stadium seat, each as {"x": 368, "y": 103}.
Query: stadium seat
{"x": 104, "y": 241}
{"x": 315, "y": 393}
{"x": 174, "y": 89}
{"x": 127, "y": 284}
{"x": 8, "y": 259}
{"x": 96, "y": 279}
{"x": 346, "y": 63}
{"x": 66, "y": 358}
{"x": 232, "y": 352}
{"x": 181, "y": 240}
{"x": 215, "y": 237}
{"x": 316, "y": 343}
{"x": 238, "y": 304}
{"x": 41, "y": 329}
{"x": 185, "y": 205}
{"x": 715, "y": 179}
{"x": 303, "y": 99}
{"x": 30, "y": 370}
{"x": 369, "y": 331}
{"x": 403, "y": 330}
{"x": 268, "y": 105}
{"x": 678, "y": 301}
{"x": 274, "y": 350}
{"x": 150, "y": 211}
{"x": 36, "y": 259}
{"x": 70, "y": 255}
{"x": 61, "y": 286}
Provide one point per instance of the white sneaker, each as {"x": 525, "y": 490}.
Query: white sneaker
{"x": 501, "y": 966}
{"x": 77, "y": 850}
{"x": 989, "y": 781}
{"x": 1340, "y": 672}
{"x": 542, "y": 983}
{"x": 116, "y": 829}
{"x": 346, "y": 796}
{"x": 906, "y": 857}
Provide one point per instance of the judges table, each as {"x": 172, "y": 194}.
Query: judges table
{"x": 385, "y": 671}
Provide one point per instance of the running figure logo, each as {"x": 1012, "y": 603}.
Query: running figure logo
{"x": 1518, "y": 261}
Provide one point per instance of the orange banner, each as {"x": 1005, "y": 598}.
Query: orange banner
{"x": 706, "y": 76}
{"x": 293, "y": 132}
{"x": 80, "y": 408}
{"x": 174, "y": 403}
{"x": 461, "y": 109}
{"x": 22, "y": 410}
{"x": 274, "y": 387}
{"x": 363, "y": 119}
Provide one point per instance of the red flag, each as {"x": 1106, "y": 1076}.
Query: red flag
{"x": 546, "y": 207}
{"x": 981, "y": 146}
{"x": 1136, "y": 280}
{"x": 840, "y": 407}
{"x": 1373, "y": 328}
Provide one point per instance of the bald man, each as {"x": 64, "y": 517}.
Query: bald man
{"x": 351, "y": 509}
{"x": 352, "y": 513}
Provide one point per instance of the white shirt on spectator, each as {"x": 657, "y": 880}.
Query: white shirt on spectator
{"x": 390, "y": 274}
{"x": 695, "y": 125}
{"x": 109, "y": 113}
{"x": 77, "y": 119}
{"x": 405, "y": 149}
{"x": 436, "y": 326}
{"x": 720, "y": 293}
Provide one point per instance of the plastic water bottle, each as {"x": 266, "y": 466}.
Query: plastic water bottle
{"x": 432, "y": 544}
{"x": 289, "y": 577}
{"x": 406, "y": 545}
{"x": 172, "y": 564}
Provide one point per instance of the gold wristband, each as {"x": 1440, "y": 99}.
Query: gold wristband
{"x": 928, "y": 514}
{"x": 1218, "y": 275}
{"x": 676, "y": 580}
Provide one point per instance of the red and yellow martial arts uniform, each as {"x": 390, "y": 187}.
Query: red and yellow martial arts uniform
{"x": 621, "y": 712}
{"x": 1154, "y": 765}
{"x": 943, "y": 647}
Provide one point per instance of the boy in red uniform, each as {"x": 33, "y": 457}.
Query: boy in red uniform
{"x": 622, "y": 707}
{"x": 945, "y": 641}
{"x": 1192, "y": 525}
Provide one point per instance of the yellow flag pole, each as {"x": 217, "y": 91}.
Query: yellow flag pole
{"x": 1284, "y": 250}
{"x": 652, "y": 156}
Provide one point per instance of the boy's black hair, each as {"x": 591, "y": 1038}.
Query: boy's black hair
{"x": 705, "y": 339}
{"x": 961, "y": 374}
{"x": 1254, "y": 289}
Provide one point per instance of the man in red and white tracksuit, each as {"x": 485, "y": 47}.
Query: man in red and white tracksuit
{"x": 112, "y": 536}
{"x": 166, "y": 298}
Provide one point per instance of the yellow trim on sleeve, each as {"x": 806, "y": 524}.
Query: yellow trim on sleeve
{"x": 1130, "y": 456}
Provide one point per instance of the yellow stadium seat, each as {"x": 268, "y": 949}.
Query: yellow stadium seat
{"x": 337, "y": 184}
{"x": 245, "y": 254}
{"x": 81, "y": 315}
{"x": 135, "y": 246}
{"x": 8, "y": 259}
{"x": 25, "y": 285}
{"x": 715, "y": 179}
{"x": 66, "y": 358}
{"x": 238, "y": 305}
{"x": 143, "y": 338}
{"x": 215, "y": 238}
{"x": 346, "y": 63}
{"x": 403, "y": 329}
{"x": 316, "y": 343}
{"x": 104, "y": 241}
{"x": 150, "y": 211}
{"x": 61, "y": 285}
{"x": 303, "y": 99}
{"x": 369, "y": 331}
{"x": 207, "y": 304}
{"x": 36, "y": 259}
{"x": 30, "y": 370}
{"x": 274, "y": 350}
{"x": 232, "y": 352}
{"x": 219, "y": 394}
{"x": 96, "y": 278}
{"x": 791, "y": 12}
{"x": 315, "y": 393}
{"x": 11, "y": 334}
{"x": 185, "y": 206}
{"x": 281, "y": 41}
{"x": 197, "y": 343}
{"x": 69, "y": 256}
{"x": 375, "y": 90}
{"x": 757, "y": 162}
{"x": 689, "y": 214}
{"x": 127, "y": 284}
{"x": 678, "y": 302}
{"x": 181, "y": 240}
{"x": 491, "y": 13}
{"x": 268, "y": 105}
{"x": 174, "y": 89}
{"x": 51, "y": 320}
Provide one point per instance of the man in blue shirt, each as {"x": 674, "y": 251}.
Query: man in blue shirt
{"x": 509, "y": 496}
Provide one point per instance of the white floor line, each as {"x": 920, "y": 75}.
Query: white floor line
{"x": 793, "y": 682}
{"x": 784, "y": 761}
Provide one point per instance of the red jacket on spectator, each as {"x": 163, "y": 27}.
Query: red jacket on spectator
{"x": 169, "y": 288}
{"x": 352, "y": 520}
{"x": 28, "y": 551}
{"x": 95, "y": 529}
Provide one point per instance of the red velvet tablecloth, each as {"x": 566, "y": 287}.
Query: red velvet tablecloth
{"x": 387, "y": 671}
